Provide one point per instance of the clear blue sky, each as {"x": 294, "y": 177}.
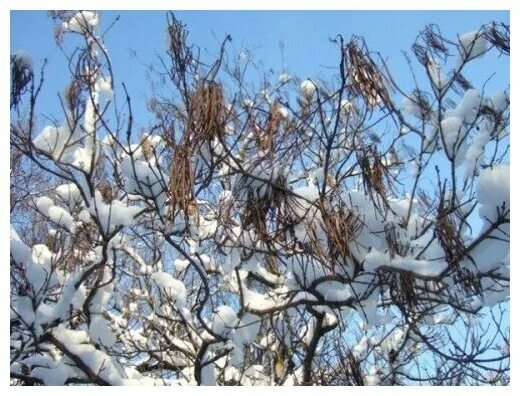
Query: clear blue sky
{"x": 305, "y": 34}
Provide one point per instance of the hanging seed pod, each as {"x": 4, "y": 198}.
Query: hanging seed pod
{"x": 181, "y": 182}
{"x": 364, "y": 76}
{"x": 407, "y": 287}
{"x": 146, "y": 147}
{"x": 354, "y": 370}
{"x": 106, "y": 192}
{"x": 208, "y": 113}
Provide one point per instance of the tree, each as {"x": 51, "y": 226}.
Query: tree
{"x": 306, "y": 232}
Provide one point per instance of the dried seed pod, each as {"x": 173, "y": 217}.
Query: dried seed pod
{"x": 106, "y": 192}
{"x": 73, "y": 95}
{"x": 364, "y": 77}
{"x": 207, "y": 115}
{"x": 182, "y": 182}
{"x": 407, "y": 287}
{"x": 146, "y": 147}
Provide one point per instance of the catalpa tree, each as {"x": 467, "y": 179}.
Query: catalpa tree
{"x": 296, "y": 232}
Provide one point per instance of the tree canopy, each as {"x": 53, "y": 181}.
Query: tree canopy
{"x": 305, "y": 232}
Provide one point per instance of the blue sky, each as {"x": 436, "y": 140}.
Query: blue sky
{"x": 305, "y": 34}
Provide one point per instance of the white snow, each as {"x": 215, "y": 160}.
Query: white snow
{"x": 472, "y": 44}
{"x": 302, "y": 271}
{"x": 224, "y": 320}
{"x": 181, "y": 265}
{"x": 55, "y": 213}
{"x": 39, "y": 270}
{"x": 77, "y": 342}
{"x": 100, "y": 332}
{"x": 20, "y": 252}
{"x": 263, "y": 171}
{"x": 308, "y": 89}
{"x": 438, "y": 78}
{"x": 452, "y": 132}
{"x": 411, "y": 107}
{"x": 334, "y": 291}
{"x": 23, "y": 308}
{"x": 284, "y": 78}
{"x": 70, "y": 296}
{"x": 490, "y": 254}
{"x": 468, "y": 107}
{"x": 372, "y": 379}
{"x": 43, "y": 204}
{"x": 83, "y": 157}
{"x": 493, "y": 191}
{"x": 475, "y": 152}
{"x": 305, "y": 213}
{"x": 255, "y": 301}
{"x": 376, "y": 259}
{"x": 493, "y": 295}
{"x": 393, "y": 341}
{"x": 346, "y": 106}
{"x": 114, "y": 214}
{"x": 70, "y": 193}
{"x": 208, "y": 371}
{"x": 59, "y": 142}
{"x": 499, "y": 101}
{"x": 103, "y": 294}
{"x": 104, "y": 86}
{"x": 61, "y": 217}
{"x": 308, "y": 330}
{"x": 282, "y": 112}
{"x": 202, "y": 228}
{"x": 254, "y": 375}
{"x": 170, "y": 287}
{"x": 361, "y": 347}
{"x": 81, "y": 21}
{"x": 56, "y": 374}
{"x": 247, "y": 329}
{"x": 144, "y": 178}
